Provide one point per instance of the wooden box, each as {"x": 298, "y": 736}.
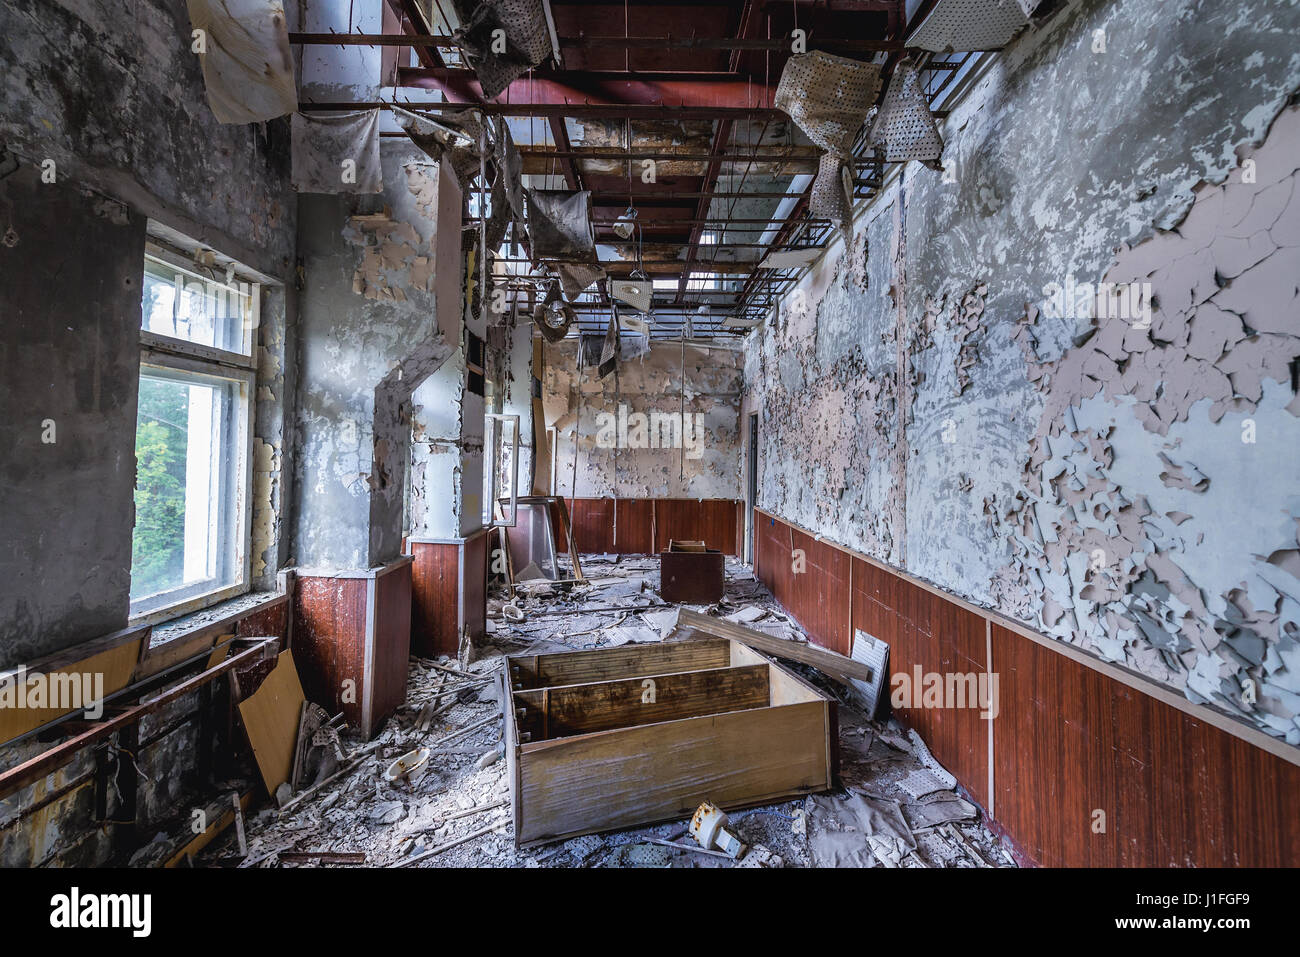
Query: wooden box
{"x": 691, "y": 575}
{"x": 620, "y": 737}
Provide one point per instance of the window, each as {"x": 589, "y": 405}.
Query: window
{"x": 190, "y": 547}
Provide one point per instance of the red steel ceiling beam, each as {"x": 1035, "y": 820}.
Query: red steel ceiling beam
{"x": 779, "y": 44}
{"x": 461, "y": 86}
{"x": 635, "y": 111}
{"x": 746, "y": 28}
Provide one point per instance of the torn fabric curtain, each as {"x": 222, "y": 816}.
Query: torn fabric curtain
{"x": 337, "y": 153}
{"x": 247, "y": 64}
{"x": 828, "y": 98}
{"x": 971, "y": 25}
{"x": 559, "y": 225}
{"x": 502, "y": 39}
{"x": 452, "y": 138}
{"x": 904, "y": 128}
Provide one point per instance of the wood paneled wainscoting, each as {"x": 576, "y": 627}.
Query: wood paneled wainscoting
{"x": 352, "y": 639}
{"x": 1084, "y": 764}
{"x": 449, "y": 592}
{"x": 644, "y": 526}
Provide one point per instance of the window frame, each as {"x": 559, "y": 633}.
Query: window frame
{"x": 166, "y": 353}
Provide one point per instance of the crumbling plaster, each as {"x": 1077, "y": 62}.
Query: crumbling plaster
{"x": 109, "y": 103}
{"x": 1085, "y": 476}
{"x": 577, "y": 397}
{"x": 368, "y": 338}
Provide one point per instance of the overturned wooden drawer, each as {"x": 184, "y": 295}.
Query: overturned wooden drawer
{"x": 618, "y": 737}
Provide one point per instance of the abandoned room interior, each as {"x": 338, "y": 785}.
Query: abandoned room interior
{"x": 740, "y": 433}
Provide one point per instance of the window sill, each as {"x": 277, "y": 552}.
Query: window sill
{"x": 183, "y": 625}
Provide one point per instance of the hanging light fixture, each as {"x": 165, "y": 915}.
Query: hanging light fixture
{"x": 625, "y": 225}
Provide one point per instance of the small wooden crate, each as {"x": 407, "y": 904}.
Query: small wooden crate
{"x": 620, "y": 737}
{"x": 691, "y": 574}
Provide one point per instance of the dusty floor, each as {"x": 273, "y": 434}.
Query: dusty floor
{"x": 460, "y": 810}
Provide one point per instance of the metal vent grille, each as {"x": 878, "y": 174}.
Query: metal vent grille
{"x": 971, "y": 25}
{"x": 828, "y": 97}
{"x": 904, "y": 127}
{"x": 527, "y": 40}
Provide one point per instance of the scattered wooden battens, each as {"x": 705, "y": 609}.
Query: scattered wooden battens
{"x": 321, "y": 857}
{"x": 834, "y": 665}
{"x": 211, "y": 832}
{"x": 454, "y": 843}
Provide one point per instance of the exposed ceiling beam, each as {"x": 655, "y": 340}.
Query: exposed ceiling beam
{"x": 462, "y": 86}
{"x": 634, "y": 111}
{"x": 779, "y": 44}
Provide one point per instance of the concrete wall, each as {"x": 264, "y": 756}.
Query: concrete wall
{"x": 368, "y": 337}
{"x": 1127, "y": 489}
{"x": 109, "y": 100}
{"x": 614, "y": 459}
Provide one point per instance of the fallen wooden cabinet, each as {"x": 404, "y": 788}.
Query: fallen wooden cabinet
{"x": 619, "y": 737}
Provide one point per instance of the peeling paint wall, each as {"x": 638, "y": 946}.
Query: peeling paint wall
{"x": 1129, "y": 488}
{"x": 703, "y": 466}
{"x": 367, "y": 339}
{"x": 110, "y": 102}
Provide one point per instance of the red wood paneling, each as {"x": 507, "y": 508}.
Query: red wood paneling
{"x": 635, "y": 532}
{"x": 1068, "y": 740}
{"x": 474, "y": 614}
{"x": 435, "y": 583}
{"x": 392, "y": 649}
{"x": 265, "y": 622}
{"x": 593, "y": 525}
{"x": 645, "y": 526}
{"x": 329, "y": 641}
{"x": 1175, "y": 790}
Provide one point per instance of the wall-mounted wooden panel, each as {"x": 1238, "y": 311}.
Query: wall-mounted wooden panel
{"x": 265, "y": 622}
{"x": 392, "y": 639}
{"x": 1068, "y": 739}
{"x": 329, "y": 640}
{"x": 448, "y": 593}
{"x": 476, "y": 557}
{"x": 634, "y": 534}
{"x": 348, "y": 647}
{"x": 1175, "y": 791}
{"x": 593, "y": 524}
{"x": 645, "y": 526}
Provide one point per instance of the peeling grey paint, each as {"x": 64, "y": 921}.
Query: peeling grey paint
{"x": 1025, "y": 444}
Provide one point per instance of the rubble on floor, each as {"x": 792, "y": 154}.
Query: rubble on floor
{"x": 899, "y": 808}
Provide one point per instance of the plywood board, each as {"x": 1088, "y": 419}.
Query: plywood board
{"x": 580, "y": 667}
{"x": 627, "y": 702}
{"x": 270, "y": 718}
{"x": 98, "y": 668}
{"x": 658, "y": 772}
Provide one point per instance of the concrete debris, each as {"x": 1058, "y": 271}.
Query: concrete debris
{"x": 457, "y": 814}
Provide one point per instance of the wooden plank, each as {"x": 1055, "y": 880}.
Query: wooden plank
{"x": 270, "y": 717}
{"x": 607, "y": 664}
{"x": 210, "y": 833}
{"x": 627, "y": 702}
{"x": 658, "y": 772}
{"x": 91, "y": 670}
{"x": 828, "y": 662}
{"x": 56, "y": 757}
